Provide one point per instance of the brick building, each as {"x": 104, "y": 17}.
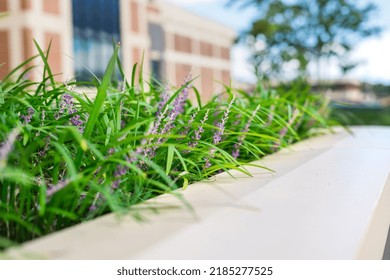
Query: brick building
{"x": 172, "y": 40}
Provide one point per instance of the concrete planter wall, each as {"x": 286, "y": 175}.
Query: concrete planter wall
{"x": 329, "y": 198}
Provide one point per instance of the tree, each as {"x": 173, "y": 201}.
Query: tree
{"x": 292, "y": 33}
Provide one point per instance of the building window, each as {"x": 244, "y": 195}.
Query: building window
{"x": 4, "y": 53}
{"x": 55, "y": 56}
{"x": 182, "y": 72}
{"x": 225, "y": 53}
{"x": 96, "y": 29}
{"x": 134, "y": 12}
{"x": 25, "y": 5}
{"x": 206, "y": 49}
{"x": 3, "y": 6}
{"x": 183, "y": 43}
{"x": 157, "y": 37}
{"x": 52, "y": 6}
{"x": 157, "y": 70}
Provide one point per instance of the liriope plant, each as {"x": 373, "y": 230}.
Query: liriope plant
{"x": 65, "y": 158}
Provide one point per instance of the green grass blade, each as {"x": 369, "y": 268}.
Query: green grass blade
{"x": 68, "y": 159}
{"x": 171, "y": 149}
{"x": 46, "y": 62}
{"x": 98, "y": 103}
{"x": 20, "y": 66}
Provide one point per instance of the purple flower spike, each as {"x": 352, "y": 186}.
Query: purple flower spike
{"x": 123, "y": 86}
{"x": 164, "y": 127}
{"x": 56, "y": 188}
{"x": 271, "y": 113}
{"x": 8, "y": 145}
{"x": 42, "y": 153}
{"x": 134, "y": 154}
{"x": 67, "y": 106}
{"x": 221, "y": 125}
{"x": 284, "y": 130}
{"x": 115, "y": 184}
{"x": 238, "y": 120}
{"x": 207, "y": 163}
{"x": 164, "y": 97}
{"x": 27, "y": 118}
{"x": 217, "y": 137}
{"x": 122, "y": 170}
{"x": 199, "y": 131}
{"x": 188, "y": 126}
{"x": 271, "y": 116}
{"x": 241, "y": 138}
{"x": 160, "y": 115}
{"x": 180, "y": 102}
{"x": 93, "y": 206}
{"x": 70, "y": 87}
{"x": 118, "y": 173}
{"x": 236, "y": 152}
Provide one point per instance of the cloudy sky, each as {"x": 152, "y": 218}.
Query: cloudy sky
{"x": 374, "y": 53}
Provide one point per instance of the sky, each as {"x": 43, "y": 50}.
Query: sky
{"x": 373, "y": 53}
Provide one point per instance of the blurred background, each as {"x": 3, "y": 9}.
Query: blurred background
{"x": 339, "y": 48}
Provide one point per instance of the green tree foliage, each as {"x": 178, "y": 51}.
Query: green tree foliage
{"x": 297, "y": 32}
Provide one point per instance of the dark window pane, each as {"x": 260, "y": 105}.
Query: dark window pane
{"x": 156, "y": 70}
{"x": 95, "y": 28}
{"x": 157, "y": 36}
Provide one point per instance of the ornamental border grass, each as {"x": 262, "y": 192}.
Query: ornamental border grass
{"x": 66, "y": 159}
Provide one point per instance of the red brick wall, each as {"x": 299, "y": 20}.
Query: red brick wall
{"x": 225, "y": 53}
{"x": 51, "y": 6}
{"x": 55, "y": 55}
{"x": 27, "y": 41}
{"x": 134, "y": 17}
{"x": 206, "y": 49}
{"x": 137, "y": 55}
{"x": 207, "y": 82}
{"x": 226, "y": 78}
{"x": 182, "y": 71}
{"x": 3, "y": 5}
{"x": 25, "y": 5}
{"x": 4, "y": 53}
{"x": 183, "y": 44}
{"x": 153, "y": 9}
{"x": 28, "y": 49}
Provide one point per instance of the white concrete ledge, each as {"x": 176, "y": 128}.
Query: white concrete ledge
{"x": 329, "y": 199}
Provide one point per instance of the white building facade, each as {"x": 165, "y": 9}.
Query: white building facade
{"x": 171, "y": 41}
